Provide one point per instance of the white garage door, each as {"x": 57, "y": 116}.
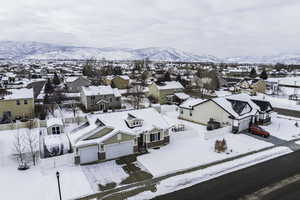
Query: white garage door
{"x": 244, "y": 124}
{"x": 118, "y": 149}
{"x": 88, "y": 154}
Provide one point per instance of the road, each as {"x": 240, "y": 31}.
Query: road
{"x": 237, "y": 184}
{"x": 289, "y": 192}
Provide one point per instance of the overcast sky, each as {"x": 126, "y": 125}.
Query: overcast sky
{"x": 218, "y": 27}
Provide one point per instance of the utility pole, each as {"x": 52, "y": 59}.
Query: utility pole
{"x": 57, "y": 176}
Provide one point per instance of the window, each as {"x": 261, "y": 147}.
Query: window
{"x": 102, "y": 147}
{"x": 154, "y": 137}
{"x": 110, "y": 99}
{"x": 25, "y": 102}
{"x": 119, "y": 136}
{"x": 191, "y": 114}
{"x": 118, "y": 99}
{"x": 181, "y": 111}
{"x": 55, "y": 130}
{"x": 18, "y": 102}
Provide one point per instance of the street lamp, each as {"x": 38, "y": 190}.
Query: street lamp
{"x": 57, "y": 176}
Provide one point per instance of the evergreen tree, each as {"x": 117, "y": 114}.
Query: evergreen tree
{"x": 264, "y": 75}
{"x": 253, "y": 73}
{"x": 167, "y": 77}
{"x": 56, "y": 79}
{"x": 88, "y": 68}
{"x": 48, "y": 87}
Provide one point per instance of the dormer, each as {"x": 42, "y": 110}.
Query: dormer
{"x": 133, "y": 121}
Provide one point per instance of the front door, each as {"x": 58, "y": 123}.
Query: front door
{"x": 141, "y": 143}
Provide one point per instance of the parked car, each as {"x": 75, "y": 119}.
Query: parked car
{"x": 212, "y": 124}
{"x": 256, "y": 130}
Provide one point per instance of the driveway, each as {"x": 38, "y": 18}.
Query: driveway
{"x": 276, "y": 141}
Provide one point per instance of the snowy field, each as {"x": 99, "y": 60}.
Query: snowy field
{"x": 186, "y": 180}
{"x": 189, "y": 148}
{"x": 37, "y": 182}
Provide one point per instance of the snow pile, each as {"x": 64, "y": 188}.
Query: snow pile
{"x": 189, "y": 179}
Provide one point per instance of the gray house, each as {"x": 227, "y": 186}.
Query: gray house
{"x": 100, "y": 98}
{"x": 74, "y": 83}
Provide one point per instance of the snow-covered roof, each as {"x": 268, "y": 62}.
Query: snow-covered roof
{"x": 22, "y": 93}
{"x": 182, "y": 95}
{"x": 117, "y": 122}
{"x": 170, "y": 85}
{"x": 151, "y": 119}
{"x": 125, "y": 77}
{"x": 71, "y": 79}
{"x": 101, "y": 90}
{"x": 191, "y": 102}
{"x": 248, "y": 110}
{"x": 54, "y": 121}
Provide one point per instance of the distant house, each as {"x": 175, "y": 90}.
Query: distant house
{"x": 164, "y": 92}
{"x": 100, "y": 98}
{"x": 74, "y": 83}
{"x": 111, "y": 135}
{"x": 239, "y": 111}
{"x": 120, "y": 82}
{"x": 16, "y": 104}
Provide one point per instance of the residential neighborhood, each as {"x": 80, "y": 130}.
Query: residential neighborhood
{"x": 104, "y": 132}
{"x": 140, "y": 100}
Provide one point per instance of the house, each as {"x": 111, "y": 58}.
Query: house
{"x": 111, "y": 135}
{"x": 100, "y": 98}
{"x": 74, "y": 83}
{"x": 164, "y": 92}
{"x": 55, "y": 126}
{"x": 16, "y": 104}
{"x": 120, "y": 82}
{"x": 239, "y": 111}
{"x": 179, "y": 97}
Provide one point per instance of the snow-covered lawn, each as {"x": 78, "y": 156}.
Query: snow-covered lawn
{"x": 186, "y": 180}
{"x": 189, "y": 149}
{"x": 104, "y": 173}
{"x": 38, "y": 182}
{"x": 284, "y": 128}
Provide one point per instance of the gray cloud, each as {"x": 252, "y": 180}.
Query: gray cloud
{"x": 218, "y": 27}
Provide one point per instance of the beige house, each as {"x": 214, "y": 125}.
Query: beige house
{"x": 17, "y": 104}
{"x": 239, "y": 111}
{"x": 120, "y": 82}
{"x": 111, "y": 135}
{"x": 164, "y": 92}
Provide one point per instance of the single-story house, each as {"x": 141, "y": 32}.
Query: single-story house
{"x": 239, "y": 111}
{"x": 111, "y": 135}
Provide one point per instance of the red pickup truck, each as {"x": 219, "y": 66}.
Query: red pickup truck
{"x": 256, "y": 130}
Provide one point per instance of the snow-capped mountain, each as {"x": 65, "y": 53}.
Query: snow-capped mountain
{"x": 37, "y": 50}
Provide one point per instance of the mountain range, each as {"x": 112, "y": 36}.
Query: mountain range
{"x": 36, "y": 50}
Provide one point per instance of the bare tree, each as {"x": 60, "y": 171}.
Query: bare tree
{"x": 32, "y": 143}
{"x": 19, "y": 147}
{"x": 137, "y": 95}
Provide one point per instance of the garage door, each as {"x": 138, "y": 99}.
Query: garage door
{"x": 88, "y": 154}
{"x": 244, "y": 124}
{"x": 118, "y": 149}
